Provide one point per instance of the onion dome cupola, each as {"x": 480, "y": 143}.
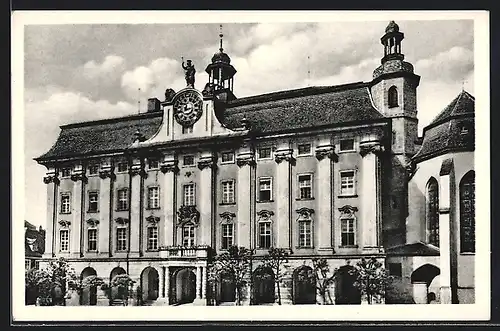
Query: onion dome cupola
{"x": 221, "y": 74}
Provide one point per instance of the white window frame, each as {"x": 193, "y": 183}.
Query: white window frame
{"x": 65, "y": 207}
{"x": 120, "y": 241}
{"x": 347, "y": 150}
{"x": 153, "y": 241}
{"x": 259, "y": 158}
{"x": 96, "y": 202}
{"x": 309, "y": 222}
{"x": 228, "y": 197}
{"x": 311, "y": 186}
{"x": 268, "y": 233}
{"x": 353, "y": 191}
{"x": 191, "y": 237}
{"x": 191, "y": 164}
{"x": 153, "y": 200}
{"x": 27, "y": 264}
{"x": 64, "y": 244}
{"x": 354, "y": 229}
{"x": 93, "y": 229}
{"x": 186, "y": 197}
{"x": 118, "y": 199}
{"x": 304, "y": 154}
{"x": 270, "y": 188}
{"x": 118, "y": 167}
{"x": 226, "y": 235}
{"x": 227, "y": 153}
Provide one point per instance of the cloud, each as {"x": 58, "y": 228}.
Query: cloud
{"x": 451, "y": 65}
{"x": 109, "y": 69}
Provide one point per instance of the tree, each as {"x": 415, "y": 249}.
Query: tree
{"x": 235, "y": 262}
{"x": 124, "y": 284}
{"x": 30, "y": 286}
{"x": 371, "y": 279}
{"x": 275, "y": 259}
{"x": 322, "y": 278}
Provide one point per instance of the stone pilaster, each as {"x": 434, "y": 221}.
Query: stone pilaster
{"x": 204, "y": 199}
{"x": 169, "y": 169}
{"x": 245, "y": 161}
{"x": 204, "y": 283}
{"x": 167, "y": 285}
{"x": 444, "y": 235}
{"x": 198, "y": 282}
{"x": 105, "y": 207}
{"x": 137, "y": 173}
{"x": 324, "y": 227}
{"x": 52, "y": 182}
{"x": 370, "y": 187}
{"x": 284, "y": 159}
{"x": 77, "y": 206}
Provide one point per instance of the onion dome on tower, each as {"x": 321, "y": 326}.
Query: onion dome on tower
{"x": 221, "y": 74}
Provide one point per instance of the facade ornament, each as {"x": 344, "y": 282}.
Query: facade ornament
{"x": 227, "y": 217}
{"x": 208, "y": 91}
{"x": 206, "y": 162}
{"x": 188, "y": 214}
{"x": 121, "y": 221}
{"x": 189, "y": 72}
{"x": 370, "y": 147}
{"x": 348, "y": 210}
{"x": 79, "y": 176}
{"x": 305, "y": 212}
{"x": 265, "y": 214}
{"x": 138, "y": 169}
{"x": 411, "y": 169}
{"x": 51, "y": 179}
{"x": 153, "y": 219}
{"x": 139, "y": 136}
{"x": 64, "y": 223}
{"x": 169, "y": 166}
{"x": 284, "y": 155}
{"x": 107, "y": 173}
{"x": 245, "y": 159}
{"x": 169, "y": 94}
{"x": 92, "y": 222}
{"x": 326, "y": 151}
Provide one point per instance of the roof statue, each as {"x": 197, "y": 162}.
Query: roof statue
{"x": 189, "y": 72}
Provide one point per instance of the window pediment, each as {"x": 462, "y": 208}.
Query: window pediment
{"x": 153, "y": 220}
{"x": 64, "y": 223}
{"x": 348, "y": 210}
{"x": 227, "y": 217}
{"x": 305, "y": 213}
{"x": 92, "y": 222}
{"x": 121, "y": 220}
{"x": 265, "y": 215}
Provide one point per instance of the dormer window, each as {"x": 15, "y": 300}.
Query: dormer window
{"x": 393, "y": 97}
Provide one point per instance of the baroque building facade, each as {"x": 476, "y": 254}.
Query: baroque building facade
{"x": 320, "y": 171}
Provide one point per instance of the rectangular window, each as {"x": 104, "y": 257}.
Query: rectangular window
{"x": 121, "y": 239}
{"x": 65, "y": 172}
{"x": 152, "y": 238}
{"x": 346, "y": 145}
{"x": 228, "y": 191}
{"x": 92, "y": 240}
{"x": 347, "y": 232}
{"x": 227, "y": 157}
{"x": 189, "y": 199}
{"x": 304, "y": 149}
{"x": 305, "y": 233}
{"x": 153, "y": 197}
{"x": 27, "y": 264}
{"x": 264, "y": 153}
{"x": 264, "y": 234}
{"x": 395, "y": 269}
{"x": 187, "y": 129}
{"x": 65, "y": 203}
{"x": 64, "y": 240}
{"x": 93, "y": 169}
{"x": 93, "y": 201}
{"x": 347, "y": 183}
{"x": 227, "y": 235}
{"x": 305, "y": 186}
{"x": 188, "y": 160}
{"x": 188, "y": 236}
{"x": 122, "y": 203}
{"x": 265, "y": 189}
{"x": 122, "y": 167}
{"x": 154, "y": 164}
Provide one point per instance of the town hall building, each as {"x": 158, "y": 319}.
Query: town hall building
{"x": 326, "y": 171}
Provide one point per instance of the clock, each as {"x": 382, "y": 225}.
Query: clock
{"x": 188, "y": 107}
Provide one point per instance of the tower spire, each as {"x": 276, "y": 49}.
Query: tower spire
{"x": 220, "y": 36}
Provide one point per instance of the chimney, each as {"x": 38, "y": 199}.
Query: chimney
{"x": 153, "y": 104}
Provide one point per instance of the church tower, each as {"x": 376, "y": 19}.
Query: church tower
{"x": 221, "y": 75}
{"x": 394, "y": 92}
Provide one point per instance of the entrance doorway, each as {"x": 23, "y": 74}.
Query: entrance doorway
{"x": 150, "y": 284}
{"x": 227, "y": 288}
{"x": 185, "y": 286}
{"x": 263, "y": 289}
{"x": 88, "y": 295}
{"x": 304, "y": 286}
{"x": 345, "y": 291}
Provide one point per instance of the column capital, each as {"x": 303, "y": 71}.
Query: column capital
{"x": 138, "y": 169}
{"x": 244, "y": 159}
{"x": 169, "y": 166}
{"x": 51, "y": 179}
{"x": 326, "y": 151}
{"x": 284, "y": 155}
{"x": 79, "y": 176}
{"x": 107, "y": 172}
{"x": 366, "y": 147}
{"x": 207, "y": 162}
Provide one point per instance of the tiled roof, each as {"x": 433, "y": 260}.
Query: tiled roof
{"x": 413, "y": 249}
{"x": 268, "y": 113}
{"x": 451, "y": 130}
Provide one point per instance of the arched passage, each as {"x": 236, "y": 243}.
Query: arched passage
{"x": 226, "y": 287}
{"x": 185, "y": 286}
{"x": 115, "y": 291}
{"x": 304, "y": 286}
{"x": 263, "y": 285}
{"x": 88, "y": 295}
{"x": 345, "y": 291}
{"x": 149, "y": 284}
{"x": 421, "y": 278}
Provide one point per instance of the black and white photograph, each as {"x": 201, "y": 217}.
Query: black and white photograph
{"x": 204, "y": 165}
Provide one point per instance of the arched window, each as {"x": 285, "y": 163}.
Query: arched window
{"x": 467, "y": 215}
{"x": 432, "y": 212}
{"x": 393, "y": 97}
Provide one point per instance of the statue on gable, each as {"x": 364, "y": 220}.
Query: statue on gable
{"x": 169, "y": 94}
{"x": 189, "y": 72}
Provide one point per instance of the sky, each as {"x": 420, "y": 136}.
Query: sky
{"x": 77, "y": 72}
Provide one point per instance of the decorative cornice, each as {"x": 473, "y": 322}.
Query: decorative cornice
{"x": 188, "y": 214}
{"x": 227, "y": 217}
{"x": 51, "y": 179}
{"x": 122, "y": 221}
{"x": 169, "y": 166}
{"x": 153, "y": 219}
{"x": 64, "y": 224}
{"x": 265, "y": 214}
{"x": 326, "y": 151}
{"x": 93, "y": 222}
{"x": 207, "y": 162}
{"x": 305, "y": 212}
{"x": 284, "y": 155}
{"x": 370, "y": 147}
{"x": 348, "y": 210}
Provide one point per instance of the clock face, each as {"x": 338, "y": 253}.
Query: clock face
{"x": 188, "y": 107}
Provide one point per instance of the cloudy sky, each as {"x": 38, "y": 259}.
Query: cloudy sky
{"x": 83, "y": 72}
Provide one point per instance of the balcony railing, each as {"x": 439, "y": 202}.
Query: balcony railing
{"x": 181, "y": 252}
